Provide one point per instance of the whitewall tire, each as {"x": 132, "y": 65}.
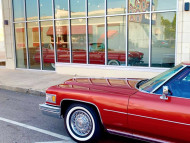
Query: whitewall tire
{"x": 82, "y": 123}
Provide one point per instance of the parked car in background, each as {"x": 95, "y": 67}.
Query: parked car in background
{"x": 161, "y": 44}
{"x": 156, "y": 109}
{"x": 96, "y": 55}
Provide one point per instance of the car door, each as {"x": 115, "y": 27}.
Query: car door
{"x": 150, "y": 116}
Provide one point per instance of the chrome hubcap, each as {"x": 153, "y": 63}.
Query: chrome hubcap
{"x": 81, "y": 123}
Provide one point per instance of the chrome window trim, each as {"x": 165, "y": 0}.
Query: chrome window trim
{"x": 156, "y": 88}
{"x": 69, "y": 99}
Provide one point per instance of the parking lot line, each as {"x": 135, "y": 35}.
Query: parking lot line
{"x": 36, "y": 129}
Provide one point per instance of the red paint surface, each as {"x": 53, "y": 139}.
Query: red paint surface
{"x": 79, "y": 56}
{"x": 138, "y": 113}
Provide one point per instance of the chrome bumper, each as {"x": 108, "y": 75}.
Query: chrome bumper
{"x": 50, "y": 110}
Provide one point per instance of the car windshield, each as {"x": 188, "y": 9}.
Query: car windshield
{"x": 151, "y": 84}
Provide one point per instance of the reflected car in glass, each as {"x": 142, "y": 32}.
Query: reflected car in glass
{"x": 154, "y": 109}
{"x": 96, "y": 55}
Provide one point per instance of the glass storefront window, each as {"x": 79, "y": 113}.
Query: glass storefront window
{"x": 136, "y": 6}
{"x": 116, "y": 36}
{"x": 78, "y": 38}
{"x": 46, "y": 9}
{"x": 138, "y": 40}
{"x": 31, "y": 10}
{"x": 33, "y": 45}
{"x": 62, "y": 41}
{"x": 116, "y": 7}
{"x": 96, "y": 7}
{"x": 158, "y": 5}
{"x": 20, "y": 45}
{"x": 139, "y": 44}
{"x": 47, "y": 39}
{"x": 61, "y": 9}
{"x": 163, "y": 39}
{"x": 78, "y": 8}
{"x": 96, "y": 33}
{"x": 18, "y": 10}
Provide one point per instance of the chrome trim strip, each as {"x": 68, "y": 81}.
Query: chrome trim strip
{"x": 159, "y": 119}
{"x": 84, "y": 102}
{"x": 135, "y": 136}
{"x": 183, "y": 67}
{"x": 147, "y": 117}
{"x": 115, "y": 111}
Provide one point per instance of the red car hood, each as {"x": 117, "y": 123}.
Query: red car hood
{"x": 119, "y": 86}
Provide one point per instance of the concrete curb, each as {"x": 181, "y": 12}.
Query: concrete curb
{"x": 23, "y": 90}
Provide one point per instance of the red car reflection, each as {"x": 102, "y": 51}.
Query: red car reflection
{"x": 96, "y": 55}
{"x": 156, "y": 110}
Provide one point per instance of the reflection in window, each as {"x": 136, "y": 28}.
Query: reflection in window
{"x": 138, "y": 40}
{"x": 33, "y": 45}
{"x": 96, "y": 7}
{"x": 61, "y": 9}
{"x": 164, "y": 5}
{"x": 20, "y": 45}
{"x": 78, "y": 37}
{"x": 31, "y": 10}
{"x": 163, "y": 39}
{"x": 96, "y": 32}
{"x": 45, "y": 9}
{"x": 47, "y": 39}
{"x": 62, "y": 41}
{"x": 18, "y": 10}
{"x": 116, "y": 36}
{"x": 136, "y": 6}
{"x": 116, "y": 6}
{"x": 78, "y": 8}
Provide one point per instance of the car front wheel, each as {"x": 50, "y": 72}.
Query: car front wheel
{"x": 82, "y": 123}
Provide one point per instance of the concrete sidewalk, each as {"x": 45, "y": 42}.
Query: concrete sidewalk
{"x": 30, "y": 81}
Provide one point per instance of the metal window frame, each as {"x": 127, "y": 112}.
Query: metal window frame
{"x": 87, "y": 35}
{"x": 40, "y": 40}
{"x": 106, "y": 29}
{"x": 26, "y": 36}
{"x": 54, "y": 19}
{"x": 150, "y": 36}
{"x": 54, "y": 32}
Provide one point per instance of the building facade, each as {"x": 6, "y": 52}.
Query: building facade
{"x": 102, "y": 38}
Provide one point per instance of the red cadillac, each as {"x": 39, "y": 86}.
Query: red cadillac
{"x": 156, "y": 109}
{"x": 96, "y": 55}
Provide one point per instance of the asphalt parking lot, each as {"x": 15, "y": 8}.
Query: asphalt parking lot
{"x": 22, "y": 122}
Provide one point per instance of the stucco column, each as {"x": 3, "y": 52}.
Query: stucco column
{"x": 8, "y": 34}
{"x": 183, "y": 33}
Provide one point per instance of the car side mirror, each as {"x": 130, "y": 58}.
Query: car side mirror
{"x": 165, "y": 93}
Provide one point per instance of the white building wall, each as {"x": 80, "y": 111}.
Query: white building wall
{"x": 183, "y": 33}
{"x": 182, "y": 50}
{"x": 8, "y": 34}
